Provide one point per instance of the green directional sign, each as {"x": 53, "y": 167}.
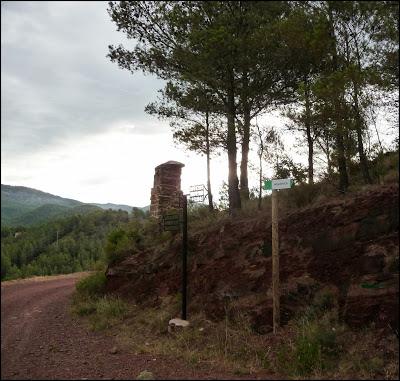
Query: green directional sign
{"x": 267, "y": 184}
{"x": 278, "y": 184}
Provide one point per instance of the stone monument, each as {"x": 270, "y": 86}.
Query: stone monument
{"x": 166, "y": 191}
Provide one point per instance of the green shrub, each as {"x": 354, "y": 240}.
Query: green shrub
{"x": 314, "y": 349}
{"x": 307, "y": 356}
{"x": 93, "y": 285}
{"x": 109, "y": 310}
{"x": 111, "y": 307}
{"x": 117, "y": 245}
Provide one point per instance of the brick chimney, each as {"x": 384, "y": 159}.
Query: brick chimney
{"x": 166, "y": 190}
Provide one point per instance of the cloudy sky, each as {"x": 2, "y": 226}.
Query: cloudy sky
{"x": 73, "y": 123}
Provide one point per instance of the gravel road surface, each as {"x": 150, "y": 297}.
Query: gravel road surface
{"x": 41, "y": 340}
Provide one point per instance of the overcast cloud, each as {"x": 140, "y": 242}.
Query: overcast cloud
{"x": 57, "y": 83}
{"x": 73, "y": 123}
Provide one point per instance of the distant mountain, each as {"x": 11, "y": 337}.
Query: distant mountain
{"x": 48, "y": 211}
{"x": 27, "y": 206}
{"x": 127, "y": 208}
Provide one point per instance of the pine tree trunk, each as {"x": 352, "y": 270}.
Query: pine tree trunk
{"x": 233, "y": 182}
{"x": 260, "y": 184}
{"x": 244, "y": 182}
{"x": 360, "y": 146}
{"x": 309, "y": 137}
{"x": 343, "y": 177}
{"x": 210, "y": 200}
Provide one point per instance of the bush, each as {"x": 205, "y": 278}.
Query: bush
{"x": 312, "y": 351}
{"x": 307, "y": 355}
{"x": 117, "y": 245}
{"x": 111, "y": 307}
{"x": 315, "y": 347}
{"x": 108, "y": 310}
{"x": 93, "y": 285}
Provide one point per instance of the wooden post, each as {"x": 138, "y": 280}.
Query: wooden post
{"x": 275, "y": 263}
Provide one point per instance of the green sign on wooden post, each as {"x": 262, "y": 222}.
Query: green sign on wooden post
{"x": 274, "y": 185}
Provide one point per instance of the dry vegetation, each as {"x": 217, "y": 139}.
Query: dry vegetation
{"x": 314, "y": 345}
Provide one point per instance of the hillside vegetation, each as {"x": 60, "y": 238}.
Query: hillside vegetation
{"x": 23, "y": 206}
{"x": 59, "y": 246}
{"x": 339, "y": 287}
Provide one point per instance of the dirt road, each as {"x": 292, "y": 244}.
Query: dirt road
{"x": 40, "y": 340}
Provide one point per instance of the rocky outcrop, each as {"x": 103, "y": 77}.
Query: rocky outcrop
{"x": 346, "y": 246}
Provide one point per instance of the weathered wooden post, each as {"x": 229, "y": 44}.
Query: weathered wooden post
{"x": 274, "y": 185}
{"x": 275, "y": 263}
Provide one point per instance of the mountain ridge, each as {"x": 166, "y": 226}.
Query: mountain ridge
{"x": 22, "y": 205}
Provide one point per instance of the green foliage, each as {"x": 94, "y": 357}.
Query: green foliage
{"x": 103, "y": 311}
{"x": 117, "y": 245}
{"x": 80, "y": 245}
{"x": 17, "y": 201}
{"x": 198, "y": 211}
{"x": 314, "y": 349}
{"x": 287, "y": 168}
{"x": 130, "y": 238}
{"x": 92, "y": 285}
{"x": 22, "y": 206}
{"x": 27, "y": 206}
{"x": 385, "y": 166}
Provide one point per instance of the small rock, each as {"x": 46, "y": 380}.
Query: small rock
{"x": 145, "y": 375}
{"x": 173, "y": 324}
{"x": 201, "y": 329}
{"x": 113, "y": 350}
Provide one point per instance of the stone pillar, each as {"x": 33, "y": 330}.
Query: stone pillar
{"x": 166, "y": 190}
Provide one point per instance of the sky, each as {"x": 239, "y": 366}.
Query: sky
{"x": 73, "y": 122}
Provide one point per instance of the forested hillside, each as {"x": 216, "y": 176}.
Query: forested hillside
{"x": 16, "y": 201}
{"x": 23, "y": 206}
{"x": 58, "y": 246}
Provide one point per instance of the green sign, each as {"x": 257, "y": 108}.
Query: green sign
{"x": 278, "y": 184}
{"x": 267, "y": 184}
{"x": 171, "y": 222}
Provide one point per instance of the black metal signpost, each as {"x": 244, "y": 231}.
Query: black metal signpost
{"x": 172, "y": 222}
{"x": 184, "y": 257}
